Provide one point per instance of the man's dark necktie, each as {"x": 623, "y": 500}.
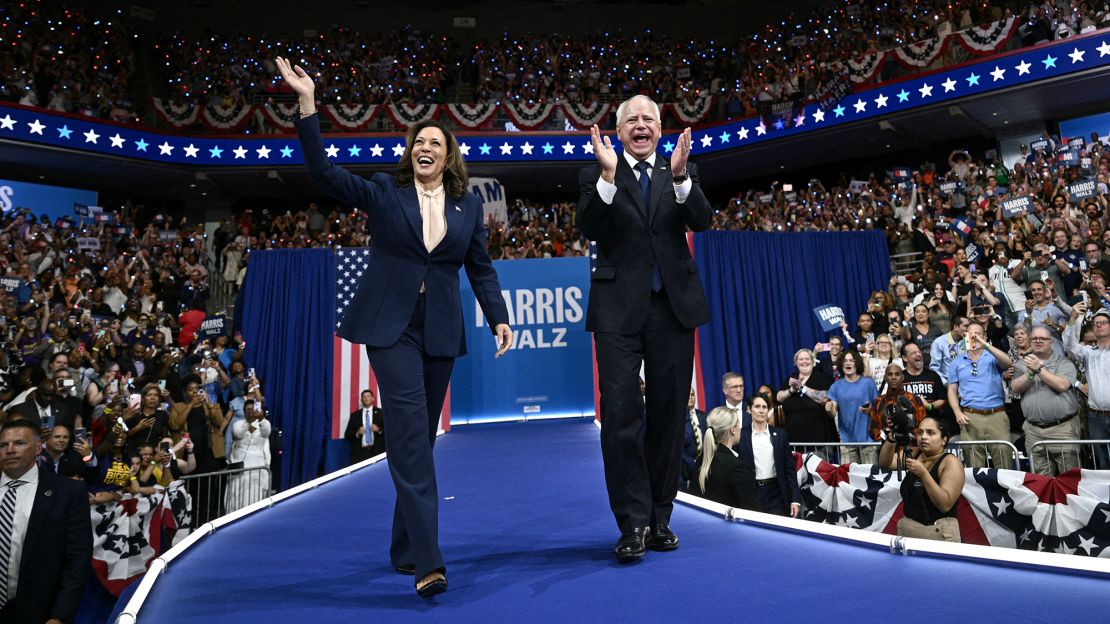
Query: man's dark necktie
{"x": 645, "y": 189}
{"x": 7, "y": 526}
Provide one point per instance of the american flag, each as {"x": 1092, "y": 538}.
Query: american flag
{"x": 351, "y": 372}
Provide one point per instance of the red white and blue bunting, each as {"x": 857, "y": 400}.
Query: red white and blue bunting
{"x": 227, "y": 118}
{"x": 281, "y": 115}
{"x": 582, "y": 116}
{"x": 408, "y": 115}
{"x": 351, "y": 118}
{"x": 987, "y": 39}
{"x": 129, "y": 534}
{"x": 695, "y": 111}
{"x": 920, "y": 54}
{"x": 177, "y": 115}
{"x": 865, "y": 68}
{"x": 528, "y": 116}
{"x": 471, "y": 115}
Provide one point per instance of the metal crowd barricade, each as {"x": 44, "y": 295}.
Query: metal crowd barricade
{"x": 217, "y": 493}
{"x": 1081, "y": 452}
{"x": 833, "y": 452}
{"x": 904, "y": 264}
{"x": 958, "y": 449}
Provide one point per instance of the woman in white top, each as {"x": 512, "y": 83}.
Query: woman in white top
{"x": 251, "y": 446}
{"x": 881, "y": 356}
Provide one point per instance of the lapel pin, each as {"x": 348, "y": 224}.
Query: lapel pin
{"x": 457, "y": 209}
{"x": 48, "y": 493}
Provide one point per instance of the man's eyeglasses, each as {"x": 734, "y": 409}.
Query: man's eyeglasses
{"x": 1039, "y": 339}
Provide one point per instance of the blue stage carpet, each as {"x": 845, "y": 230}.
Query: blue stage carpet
{"x": 527, "y": 535}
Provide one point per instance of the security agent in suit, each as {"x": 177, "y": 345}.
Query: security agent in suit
{"x": 722, "y": 477}
{"x": 354, "y": 432}
{"x": 692, "y": 445}
{"x": 645, "y": 301}
{"x": 49, "y": 541}
{"x": 407, "y": 308}
{"x": 766, "y": 455}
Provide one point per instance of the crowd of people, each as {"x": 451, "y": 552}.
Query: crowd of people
{"x": 996, "y": 327}
{"x": 105, "y": 349}
{"x": 66, "y": 59}
{"x": 71, "y": 60}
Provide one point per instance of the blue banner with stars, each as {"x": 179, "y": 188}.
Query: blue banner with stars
{"x": 1000, "y": 72}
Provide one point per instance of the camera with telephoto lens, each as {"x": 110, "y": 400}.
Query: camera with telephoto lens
{"x": 902, "y": 423}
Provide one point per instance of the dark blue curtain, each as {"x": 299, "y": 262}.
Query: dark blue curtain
{"x": 286, "y": 314}
{"x": 762, "y": 288}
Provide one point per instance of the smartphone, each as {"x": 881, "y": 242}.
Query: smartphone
{"x": 165, "y": 447}
{"x": 114, "y": 386}
{"x": 250, "y": 372}
{"x": 48, "y": 422}
{"x": 134, "y": 401}
{"x": 822, "y": 347}
{"x": 161, "y": 384}
{"x": 80, "y": 434}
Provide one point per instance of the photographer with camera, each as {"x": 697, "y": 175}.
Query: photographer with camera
{"x": 888, "y": 402}
{"x": 934, "y": 477}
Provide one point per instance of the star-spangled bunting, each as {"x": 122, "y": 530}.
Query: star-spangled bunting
{"x": 1048, "y": 61}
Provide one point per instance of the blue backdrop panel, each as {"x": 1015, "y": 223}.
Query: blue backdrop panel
{"x": 762, "y": 288}
{"x": 549, "y": 371}
{"x": 43, "y": 199}
{"x": 286, "y": 315}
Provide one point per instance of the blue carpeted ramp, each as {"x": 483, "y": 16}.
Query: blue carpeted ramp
{"x": 527, "y": 536}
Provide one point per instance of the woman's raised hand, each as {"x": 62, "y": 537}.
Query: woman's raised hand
{"x": 297, "y": 78}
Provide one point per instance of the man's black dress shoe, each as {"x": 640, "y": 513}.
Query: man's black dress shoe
{"x": 662, "y": 538}
{"x": 406, "y": 568}
{"x": 631, "y": 544}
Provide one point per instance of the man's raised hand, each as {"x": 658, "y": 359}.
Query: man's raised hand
{"x": 681, "y": 153}
{"x": 605, "y": 154}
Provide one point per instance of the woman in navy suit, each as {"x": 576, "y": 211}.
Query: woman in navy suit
{"x": 407, "y": 308}
{"x": 766, "y": 456}
{"x": 721, "y": 477}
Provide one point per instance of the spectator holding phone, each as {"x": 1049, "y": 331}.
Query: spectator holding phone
{"x": 157, "y": 468}
{"x": 204, "y": 423}
{"x": 43, "y": 406}
{"x": 148, "y": 420}
{"x": 60, "y": 453}
{"x": 250, "y": 452}
{"x": 113, "y": 473}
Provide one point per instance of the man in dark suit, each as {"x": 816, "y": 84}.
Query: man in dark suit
{"x": 356, "y": 432}
{"x": 45, "y": 534}
{"x": 645, "y": 301}
{"x": 694, "y": 426}
{"x": 43, "y": 406}
{"x": 61, "y": 457}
